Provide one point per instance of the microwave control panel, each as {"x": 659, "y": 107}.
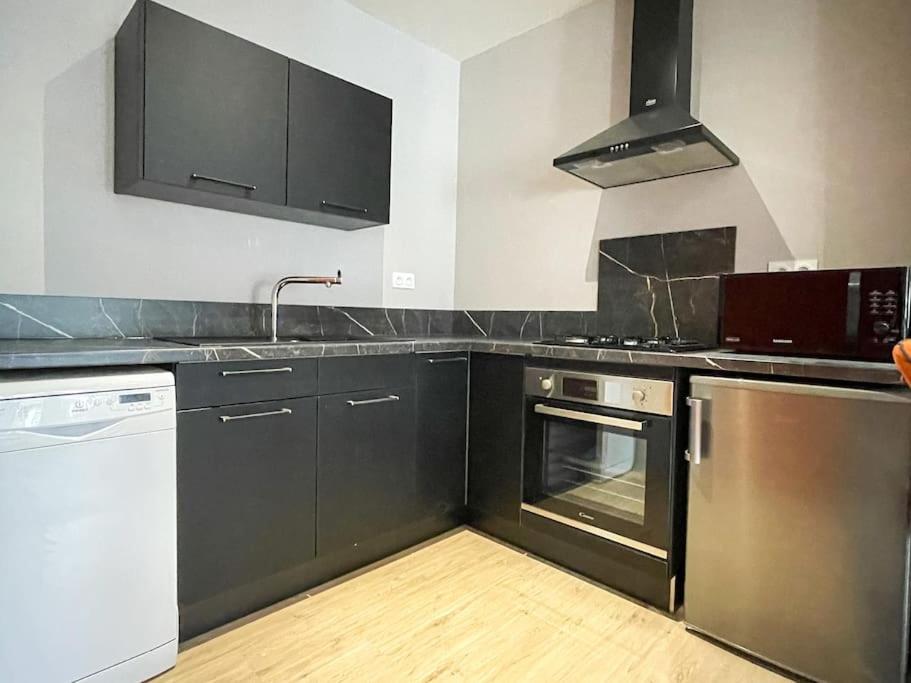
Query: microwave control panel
{"x": 883, "y": 315}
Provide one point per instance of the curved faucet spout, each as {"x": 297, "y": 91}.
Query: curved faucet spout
{"x": 329, "y": 281}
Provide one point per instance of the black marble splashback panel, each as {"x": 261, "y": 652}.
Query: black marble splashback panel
{"x": 523, "y": 324}
{"x": 664, "y": 285}
{"x": 65, "y": 317}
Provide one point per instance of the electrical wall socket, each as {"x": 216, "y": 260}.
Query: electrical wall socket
{"x": 798, "y": 264}
{"x": 403, "y": 280}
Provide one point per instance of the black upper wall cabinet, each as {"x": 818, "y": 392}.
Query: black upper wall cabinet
{"x": 206, "y": 118}
{"x": 339, "y": 146}
{"x": 216, "y": 115}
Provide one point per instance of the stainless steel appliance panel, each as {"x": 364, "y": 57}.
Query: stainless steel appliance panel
{"x": 610, "y": 391}
{"x": 798, "y": 529}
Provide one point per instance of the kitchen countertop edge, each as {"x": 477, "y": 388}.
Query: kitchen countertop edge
{"x": 59, "y": 353}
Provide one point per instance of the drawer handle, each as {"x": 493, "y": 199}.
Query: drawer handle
{"x": 460, "y": 359}
{"x": 261, "y": 371}
{"x": 222, "y": 181}
{"x": 343, "y": 207}
{"x": 271, "y": 413}
{"x": 387, "y": 399}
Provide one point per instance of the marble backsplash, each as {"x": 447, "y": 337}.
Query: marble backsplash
{"x": 653, "y": 285}
{"x": 62, "y": 317}
{"x": 664, "y": 285}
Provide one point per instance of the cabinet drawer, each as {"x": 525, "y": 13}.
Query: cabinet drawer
{"x": 362, "y": 373}
{"x": 202, "y": 385}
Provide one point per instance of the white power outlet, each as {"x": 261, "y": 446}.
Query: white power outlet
{"x": 403, "y": 280}
{"x": 806, "y": 264}
{"x": 798, "y": 264}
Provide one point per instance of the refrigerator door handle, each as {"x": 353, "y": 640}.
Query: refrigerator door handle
{"x": 694, "y": 453}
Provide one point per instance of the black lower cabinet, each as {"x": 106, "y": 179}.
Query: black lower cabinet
{"x": 246, "y": 496}
{"x": 496, "y": 432}
{"x": 366, "y": 479}
{"x": 442, "y": 415}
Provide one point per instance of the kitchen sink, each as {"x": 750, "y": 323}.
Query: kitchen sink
{"x": 204, "y": 342}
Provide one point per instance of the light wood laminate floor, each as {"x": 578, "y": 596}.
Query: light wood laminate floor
{"x": 462, "y": 609}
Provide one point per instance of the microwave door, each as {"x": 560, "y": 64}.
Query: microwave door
{"x": 814, "y": 312}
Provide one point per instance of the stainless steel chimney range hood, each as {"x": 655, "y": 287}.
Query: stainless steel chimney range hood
{"x": 660, "y": 139}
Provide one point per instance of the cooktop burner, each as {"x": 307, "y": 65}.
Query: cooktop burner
{"x": 662, "y": 344}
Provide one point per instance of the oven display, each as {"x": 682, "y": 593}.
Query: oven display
{"x": 586, "y": 389}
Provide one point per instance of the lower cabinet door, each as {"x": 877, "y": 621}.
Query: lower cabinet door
{"x": 442, "y": 414}
{"x": 246, "y": 499}
{"x": 495, "y": 438}
{"x": 366, "y": 470}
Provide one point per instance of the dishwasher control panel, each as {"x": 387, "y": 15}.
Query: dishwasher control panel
{"x": 72, "y": 409}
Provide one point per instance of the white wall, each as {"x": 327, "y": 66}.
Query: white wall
{"x": 813, "y": 96}
{"x": 64, "y": 231}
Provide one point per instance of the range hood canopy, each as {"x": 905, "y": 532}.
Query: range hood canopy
{"x": 660, "y": 139}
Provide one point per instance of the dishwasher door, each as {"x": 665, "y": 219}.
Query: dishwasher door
{"x": 797, "y": 530}
{"x": 88, "y": 576}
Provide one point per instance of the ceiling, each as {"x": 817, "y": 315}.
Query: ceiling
{"x": 465, "y": 28}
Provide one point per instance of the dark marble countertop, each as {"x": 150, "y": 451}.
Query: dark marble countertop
{"x": 55, "y": 353}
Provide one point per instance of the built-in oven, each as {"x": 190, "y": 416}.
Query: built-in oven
{"x": 598, "y": 455}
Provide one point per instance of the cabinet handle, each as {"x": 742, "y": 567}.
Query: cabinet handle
{"x": 271, "y": 413}
{"x": 222, "y": 181}
{"x": 344, "y": 207}
{"x": 370, "y": 401}
{"x": 261, "y": 371}
{"x": 460, "y": 359}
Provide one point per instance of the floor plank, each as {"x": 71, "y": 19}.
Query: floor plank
{"x": 463, "y": 609}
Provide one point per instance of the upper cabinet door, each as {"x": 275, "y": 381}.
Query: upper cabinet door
{"x": 339, "y": 149}
{"x": 216, "y": 110}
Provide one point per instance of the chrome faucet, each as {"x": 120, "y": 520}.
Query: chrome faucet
{"x": 297, "y": 280}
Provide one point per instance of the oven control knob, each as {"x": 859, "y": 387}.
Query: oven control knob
{"x": 638, "y": 396}
{"x": 547, "y": 383}
{"x": 881, "y": 327}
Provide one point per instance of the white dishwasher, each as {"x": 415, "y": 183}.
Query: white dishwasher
{"x": 88, "y": 576}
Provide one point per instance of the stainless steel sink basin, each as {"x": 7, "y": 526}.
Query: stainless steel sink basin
{"x": 204, "y": 342}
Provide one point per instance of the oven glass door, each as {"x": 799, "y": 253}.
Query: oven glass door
{"x": 602, "y": 468}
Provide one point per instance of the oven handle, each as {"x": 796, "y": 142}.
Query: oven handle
{"x": 633, "y": 425}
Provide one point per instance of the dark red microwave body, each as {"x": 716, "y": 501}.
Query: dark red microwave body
{"x": 857, "y": 314}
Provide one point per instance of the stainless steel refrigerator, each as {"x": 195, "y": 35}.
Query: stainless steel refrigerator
{"x": 798, "y": 525}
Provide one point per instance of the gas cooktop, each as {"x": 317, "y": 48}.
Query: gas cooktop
{"x": 661, "y": 344}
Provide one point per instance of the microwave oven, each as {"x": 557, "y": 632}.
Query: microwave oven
{"x": 854, "y": 314}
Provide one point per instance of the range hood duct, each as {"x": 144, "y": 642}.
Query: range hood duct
{"x": 660, "y": 139}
